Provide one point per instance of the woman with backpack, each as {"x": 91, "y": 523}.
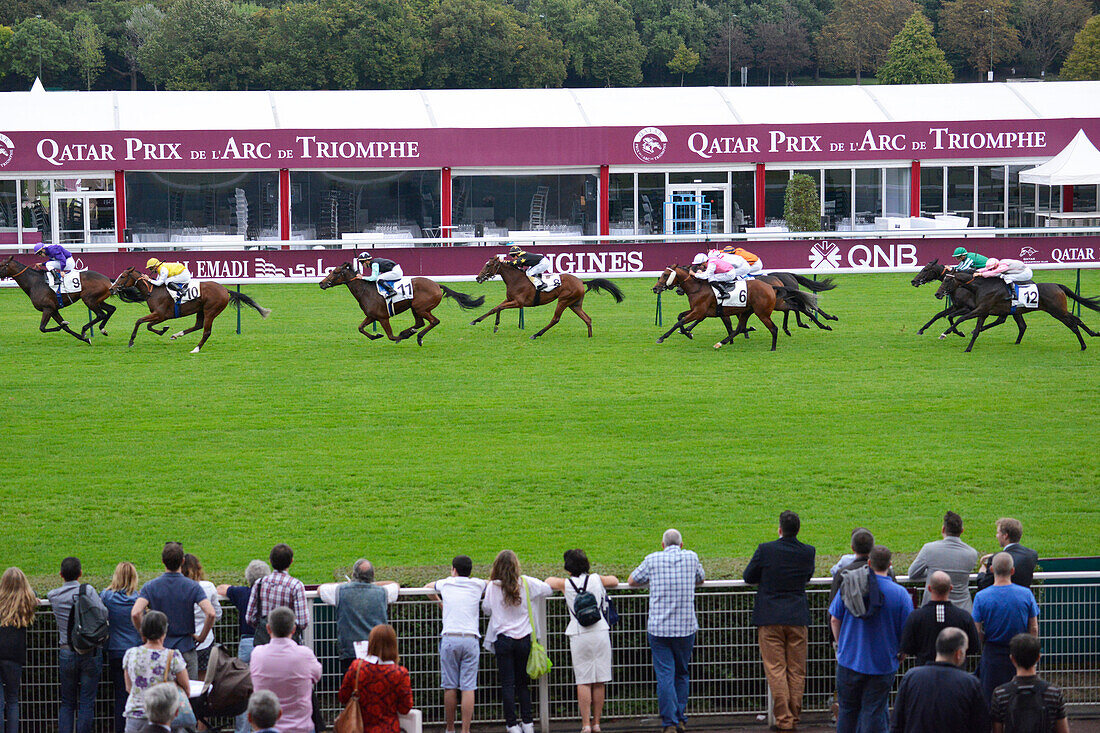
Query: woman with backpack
{"x": 589, "y": 634}
{"x": 119, "y": 599}
{"x": 17, "y": 606}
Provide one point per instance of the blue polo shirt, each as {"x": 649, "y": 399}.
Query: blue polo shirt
{"x": 1003, "y": 611}
{"x": 176, "y": 596}
{"x": 870, "y": 645}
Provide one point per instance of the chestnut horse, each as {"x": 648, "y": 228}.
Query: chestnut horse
{"x": 134, "y": 286}
{"x": 94, "y": 291}
{"x": 519, "y": 292}
{"x": 427, "y": 294}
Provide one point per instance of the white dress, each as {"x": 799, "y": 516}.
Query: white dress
{"x": 590, "y": 646}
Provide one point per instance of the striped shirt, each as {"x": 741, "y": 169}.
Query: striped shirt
{"x": 278, "y": 589}
{"x": 1053, "y": 701}
{"x": 672, "y": 575}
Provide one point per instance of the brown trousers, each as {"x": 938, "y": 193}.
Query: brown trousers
{"x": 783, "y": 651}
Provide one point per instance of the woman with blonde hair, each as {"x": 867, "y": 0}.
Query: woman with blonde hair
{"x": 192, "y": 569}
{"x": 17, "y": 606}
{"x": 381, "y": 685}
{"x": 119, "y": 599}
{"x": 509, "y": 635}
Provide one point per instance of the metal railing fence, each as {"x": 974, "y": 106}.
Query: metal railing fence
{"x": 727, "y": 675}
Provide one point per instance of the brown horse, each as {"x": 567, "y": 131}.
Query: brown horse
{"x": 761, "y": 302}
{"x": 94, "y": 291}
{"x": 990, "y": 300}
{"x": 520, "y": 293}
{"x": 134, "y": 286}
{"x": 427, "y": 294}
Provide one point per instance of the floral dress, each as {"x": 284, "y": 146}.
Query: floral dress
{"x": 148, "y": 667}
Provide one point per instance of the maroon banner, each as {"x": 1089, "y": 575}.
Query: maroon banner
{"x": 612, "y": 259}
{"x": 62, "y": 151}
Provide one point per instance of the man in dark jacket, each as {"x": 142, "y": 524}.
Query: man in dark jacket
{"x": 782, "y": 568}
{"x": 1024, "y": 559}
{"x": 940, "y": 696}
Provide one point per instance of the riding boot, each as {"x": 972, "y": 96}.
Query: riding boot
{"x": 1011, "y": 290}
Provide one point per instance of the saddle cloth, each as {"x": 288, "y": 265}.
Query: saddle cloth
{"x": 402, "y": 290}
{"x": 70, "y": 282}
{"x": 550, "y": 280}
{"x": 737, "y": 297}
{"x": 1027, "y": 295}
{"x": 191, "y": 292}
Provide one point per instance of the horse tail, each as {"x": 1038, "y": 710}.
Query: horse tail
{"x": 815, "y": 286}
{"x": 1090, "y": 303}
{"x": 601, "y": 283}
{"x": 799, "y": 300}
{"x": 463, "y": 300}
{"x": 235, "y": 297}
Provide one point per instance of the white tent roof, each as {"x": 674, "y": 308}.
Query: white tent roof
{"x": 1077, "y": 164}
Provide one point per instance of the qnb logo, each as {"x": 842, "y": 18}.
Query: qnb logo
{"x": 650, "y": 144}
{"x": 824, "y": 254}
{"x": 7, "y": 150}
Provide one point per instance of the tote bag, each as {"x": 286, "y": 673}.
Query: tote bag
{"x": 351, "y": 720}
{"x": 538, "y": 661}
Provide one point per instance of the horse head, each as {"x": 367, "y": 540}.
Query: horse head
{"x": 671, "y": 277}
{"x": 932, "y": 271}
{"x": 7, "y": 266}
{"x": 951, "y": 283}
{"x": 343, "y": 274}
{"x": 492, "y": 268}
{"x": 128, "y": 278}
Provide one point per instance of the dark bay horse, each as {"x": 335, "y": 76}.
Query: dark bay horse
{"x": 94, "y": 291}
{"x": 427, "y": 294}
{"x": 134, "y": 286}
{"x": 520, "y": 293}
{"x": 989, "y": 299}
{"x": 961, "y": 301}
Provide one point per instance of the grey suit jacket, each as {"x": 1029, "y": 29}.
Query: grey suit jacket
{"x": 954, "y": 557}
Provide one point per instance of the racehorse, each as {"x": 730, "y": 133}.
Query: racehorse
{"x": 807, "y": 304}
{"x": 133, "y": 287}
{"x": 427, "y": 294}
{"x": 989, "y": 299}
{"x": 94, "y": 291}
{"x": 520, "y": 293}
{"x": 962, "y": 301}
{"x": 761, "y": 302}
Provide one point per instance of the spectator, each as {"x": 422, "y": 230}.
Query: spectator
{"x": 589, "y": 646}
{"x": 867, "y": 645}
{"x": 149, "y": 664}
{"x": 1024, "y": 559}
{"x": 175, "y": 596}
{"x": 940, "y": 696}
{"x": 238, "y": 595}
{"x": 119, "y": 598}
{"x": 162, "y": 702}
{"x": 862, "y": 542}
{"x": 459, "y": 653}
{"x": 924, "y": 625}
{"x": 847, "y": 559}
{"x": 509, "y": 634}
{"x": 380, "y": 684}
{"x": 1027, "y": 704}
{"x": 951, "y": 555}
{"x": 79, "y": 673}
{"x": 263, "y": 711}
{"x": 192, "y": 569}
{"x": 781, "y": 614}
{"x": 671, "y": 575}
{"x": 1002, "y": 611}
{"x": 360, "y": 606}
{"x": 278, "y": 589}
{"x": 287, "y": 669}
{"x": 17, "y": 606}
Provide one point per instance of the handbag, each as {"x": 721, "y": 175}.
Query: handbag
{"x": 185, "y": 718}
{"x": 351, "y": 719}
{"x": 260, "y": 635}
{"x": 538, "y": 661}
{"x": 610, "y": 613}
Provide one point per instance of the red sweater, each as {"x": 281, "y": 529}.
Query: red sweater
{"x": 385, "y": 692}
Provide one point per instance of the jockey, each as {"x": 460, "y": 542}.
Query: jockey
{"x": 756, "y": 266}
{"x": 968, "y": 261}
{"x": 384, "y": 272}
{"x": 59, "y": 260}
{"x": 535, "y": 265}
{"x": 1011, "y": 271}
{"x": 719, "y": 269}
{"x": 173, "y": 275}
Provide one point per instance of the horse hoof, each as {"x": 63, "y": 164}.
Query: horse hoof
{"x": 534, "y": 337}
{"x": 688, "y": 334}
{"x": 103, "y": 332}
{"x": 920, "y": 332}
{"x": 660, "y": 340}
{"x": 718, "y": 346}
{"x": 195, "y": 350}
{"x": 943, "y": 336}
{"x": 419, "y": 341}
{"x": 827, "y": 328}
{"x": 473, "y": 323}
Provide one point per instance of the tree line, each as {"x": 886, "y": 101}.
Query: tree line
{"x": 404, "y": 44}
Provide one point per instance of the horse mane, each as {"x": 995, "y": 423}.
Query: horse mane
{"x": 132, "y": 294}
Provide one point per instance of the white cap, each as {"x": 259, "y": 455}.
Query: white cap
{"x": 699, "y": 259}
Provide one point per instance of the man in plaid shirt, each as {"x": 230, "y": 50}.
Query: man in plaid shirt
{"x": 671, "y": 575}
{"x": 279, "y": 589}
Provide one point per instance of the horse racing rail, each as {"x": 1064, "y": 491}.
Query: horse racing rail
{"x": 727, "y": 676}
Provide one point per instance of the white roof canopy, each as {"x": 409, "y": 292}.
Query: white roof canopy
{"x": 1077, "y": 164}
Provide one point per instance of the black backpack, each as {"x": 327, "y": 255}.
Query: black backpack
{"x": 586, "y": 609}
{"x": 1025, "y": 711}
{"x": 88, "y": 628}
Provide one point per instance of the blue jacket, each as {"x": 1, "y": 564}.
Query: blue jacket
{"x": 123, "y": 634}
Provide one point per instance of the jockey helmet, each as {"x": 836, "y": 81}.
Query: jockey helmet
{"x": 992, "y": 262}
{"x": 39, "y": 247}
{"x": 700, "y": 259}
{"x": 365, "y": 257}
{"x": 515, "y": 250}
{"x": 959, "y": 252}
{"x": 728, "y": 249}
{"x": 153, "y": 262}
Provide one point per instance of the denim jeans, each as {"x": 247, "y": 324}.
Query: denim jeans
{"x": 79, "y": 677}
{"x": 244, "y": 653}
{"x": 10, "y": 672}
{"x": 512, "y": 668}
{"x": 863, "y": 701}
{"x": 671, "y": 656}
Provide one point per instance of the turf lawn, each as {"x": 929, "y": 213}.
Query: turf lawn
{"x": 301, "y": 430}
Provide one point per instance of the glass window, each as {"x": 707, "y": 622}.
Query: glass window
{"x": 775, "y": 189}
{"x": 502, "y": 204}
{"x": 9, "y": 212}
{"x": 960, "y": 191}
{"x": 34, "y": 197}
{"x": 897, "y": 191}
{"x": 385, "y": 204}
{"x": 1084, "y": 198}
{"x": 182, "y": 207}
{"x": 1050, "y": 200}
{"x": 651, "y": 203}
{"x": 838, "y": 199}
{"x": 991, "y": 196}
{"x": 868, "y": 196}
{"x": 620, "y": 203}
{"x": 84, "y": 184}
{"x": 1021, "y": 199}
{"x": 743, "y": 194}
{"x": 931, "y": 191}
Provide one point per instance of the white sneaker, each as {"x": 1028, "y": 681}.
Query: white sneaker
{"x": 513, "y": 729}
{"x": 528, "y": 728}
